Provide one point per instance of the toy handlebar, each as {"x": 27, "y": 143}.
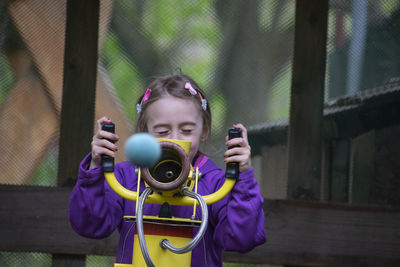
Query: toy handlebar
{"x": 158, "y": 199}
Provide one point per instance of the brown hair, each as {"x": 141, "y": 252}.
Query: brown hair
{"x": 173, "y": 85}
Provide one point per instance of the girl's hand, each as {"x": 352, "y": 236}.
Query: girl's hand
{"x": 239, "y": 154}
{"x": 101, "y": 146}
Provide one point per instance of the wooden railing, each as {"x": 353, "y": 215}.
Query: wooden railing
{"x": 34, "y": 219}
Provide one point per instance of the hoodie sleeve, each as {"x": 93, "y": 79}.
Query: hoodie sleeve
{"x": 239, "y": 217}
{"x": 95, "y": 211}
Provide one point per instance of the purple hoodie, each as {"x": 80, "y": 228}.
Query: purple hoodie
{"x": 236, "y": 223}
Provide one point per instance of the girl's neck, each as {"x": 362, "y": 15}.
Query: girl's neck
{"x": 199, "y": 160}
{"x": 195, "y": 158}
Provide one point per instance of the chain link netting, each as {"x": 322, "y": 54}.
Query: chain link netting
{"x": 239, "y": 52}
{"x": 363, "y": 46}
{"x": 234, "y": 51}
{"x": 12, "y": 259}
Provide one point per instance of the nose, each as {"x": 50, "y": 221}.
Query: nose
{"x": 175, "y": 135}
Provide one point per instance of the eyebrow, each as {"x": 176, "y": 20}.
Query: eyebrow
{"x": 166, "y": 125}
{"x": 188, "y": 123}
{"x": 160, "y": 125}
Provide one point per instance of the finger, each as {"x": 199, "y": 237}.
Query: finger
{"x": 107, "y": 135}
{"x": 101, "y": 121}
{"x": 98, "y": 144}
{"x": 103, "y": 151}
{"x": 96, "y": 153}
{"x": 237, "y": 151}
{"x": 237, "y": 142}
{"x": 244, "y": 131}
{"x": 241, "y": 159}
{"x": 104, "y": 143}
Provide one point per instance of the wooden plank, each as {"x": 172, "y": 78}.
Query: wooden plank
{"x": 46, "y": 47}
{"x": 339, "y": 177}
{"x": 362, "y": 168}
{"x": 274, "y": 170}
{"x": 47, "y": 44}
{"x": 65, "y": 260}
{"x": 305, "y": 122}
{"x": 385, "y": 186}
{"x": 79, "y": 86}
{"x": 35, "y": 219}
{"x": 323, "y": 234}
{"x": 299, "y": 233}
{"x": 28, "y": 123}
{"x": 326, "y": 158}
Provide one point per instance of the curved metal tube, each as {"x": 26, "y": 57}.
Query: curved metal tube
{"x": 165, "y": 243}
{"x": 203, "y": 226}
{"x": 139, "y": 225}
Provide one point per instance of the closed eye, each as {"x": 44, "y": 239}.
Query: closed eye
{"x": 162, "y": 133}
{"x": 187, "y": 131}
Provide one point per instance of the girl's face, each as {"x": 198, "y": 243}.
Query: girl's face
{"x": 175, "y": 118}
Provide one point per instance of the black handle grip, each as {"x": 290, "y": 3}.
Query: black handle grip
{"x": 107, "y": 162}
{"x": 232, "y": 168}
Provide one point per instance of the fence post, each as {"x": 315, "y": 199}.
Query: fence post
{"x": 78, "y": 99}
{"x": 307, "y": 96}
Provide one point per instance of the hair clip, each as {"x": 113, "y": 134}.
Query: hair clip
{"x": 189, "y": 87}
{"x": 144, "y": 99}
{"x": 193, "y": 91}
{"x": 203, "y": 104}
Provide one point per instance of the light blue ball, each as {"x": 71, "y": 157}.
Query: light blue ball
{"x": 142, "y": 150}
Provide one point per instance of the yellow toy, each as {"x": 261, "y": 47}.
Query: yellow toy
{"x": 167, "y": 241}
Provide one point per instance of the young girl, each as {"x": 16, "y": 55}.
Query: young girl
{"x": 173, "y": 107}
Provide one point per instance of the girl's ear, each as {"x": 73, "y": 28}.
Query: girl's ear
{"x": 204, "y": 135}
